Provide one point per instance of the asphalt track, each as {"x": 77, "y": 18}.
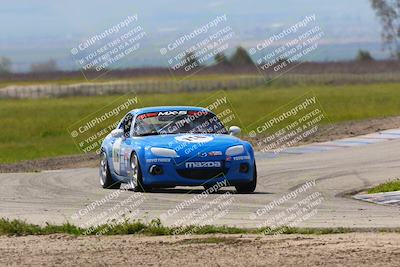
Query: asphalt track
{"x": 60, "y": 196}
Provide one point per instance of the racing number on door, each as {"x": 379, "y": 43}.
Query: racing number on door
{"x": 116, "y": 155}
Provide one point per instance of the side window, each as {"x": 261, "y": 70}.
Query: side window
{"x": 126, "y": 124}
{"x": 138, "y": 128}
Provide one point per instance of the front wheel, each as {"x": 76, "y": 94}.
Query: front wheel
{"x": 136, "y": 181}
{"x": 106, "y": 180}
{"x": 249, "y": 187}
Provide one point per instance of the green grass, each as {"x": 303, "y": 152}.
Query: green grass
{"x": 155, "y": 228}
{"x": 31, "y": 129}
{"x": 386, "y": 187}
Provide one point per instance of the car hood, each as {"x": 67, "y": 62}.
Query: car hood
{"x": 190, "y": 144}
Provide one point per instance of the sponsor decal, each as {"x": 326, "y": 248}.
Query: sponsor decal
{"x": 203, "y": 155}
{"x": 210, "y": 154}
{"x": 214, "y": 153}
{"x": 157, "y": 160}
{"x": 127, "y": 154}
{"x": 146, "y": 115}
{"x": 172, "y": 113}
{"x": 241, "y": 158}
{"x": 203, "y": 164}
{"x": 194, "y": 138}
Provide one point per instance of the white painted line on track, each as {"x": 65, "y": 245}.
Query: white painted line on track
{"x": 388, "y": 198}
{"x": 361, "y": 140}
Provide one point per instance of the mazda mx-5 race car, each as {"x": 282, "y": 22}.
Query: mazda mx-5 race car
{"x": 160, "y": 147}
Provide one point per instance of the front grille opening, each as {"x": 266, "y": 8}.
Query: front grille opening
{"x": 203, "y": 174}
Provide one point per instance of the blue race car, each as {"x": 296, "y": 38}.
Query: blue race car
{"x": 164, "y": 147}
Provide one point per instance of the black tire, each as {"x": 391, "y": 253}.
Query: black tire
{"x": 248, "y": 187}
{"x": 106, "y": 180}
{"x": 138, "y": 185}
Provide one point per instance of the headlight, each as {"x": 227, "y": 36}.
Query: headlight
{"x": 163, "y": 152}
{"x": 235, "y": 150}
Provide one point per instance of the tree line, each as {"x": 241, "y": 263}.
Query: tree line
{"x": 240, "y": 58}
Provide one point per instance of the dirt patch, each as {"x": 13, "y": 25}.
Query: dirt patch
{"x": 333, "y": 132}
{"x": 357, "y": 249}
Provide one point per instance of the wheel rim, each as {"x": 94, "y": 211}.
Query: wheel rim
{"x": 103, "y": 168}
{"x": 135, "y": 170}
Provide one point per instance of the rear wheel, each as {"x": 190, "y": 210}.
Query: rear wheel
{"x": 136, "y": 181}
{"x": 106, "y": 180}
{"x": 249, "y": 187}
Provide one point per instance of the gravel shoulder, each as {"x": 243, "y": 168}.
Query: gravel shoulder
{"x": 327, "y": 133}
{"x": 355, "y": 249}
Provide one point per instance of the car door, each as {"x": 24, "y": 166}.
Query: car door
{"x": 117, "y": 145}
{"x": 126, "y": 146}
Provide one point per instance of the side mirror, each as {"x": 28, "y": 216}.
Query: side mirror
{"x": 234, "y": 130}
{"x": 117, "y": 133}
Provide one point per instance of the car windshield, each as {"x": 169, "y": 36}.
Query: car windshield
{"x": 179, "y": 121}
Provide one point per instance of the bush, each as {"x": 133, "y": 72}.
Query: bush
{"x": 5, "y": 65}
{"x": 364, "y": 55}
{"x": 241, "y": 58}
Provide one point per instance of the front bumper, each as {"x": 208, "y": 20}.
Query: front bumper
{"x": 176, "y": 173}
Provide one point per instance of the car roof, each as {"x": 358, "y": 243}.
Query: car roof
{"x": 166, "y": 108}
